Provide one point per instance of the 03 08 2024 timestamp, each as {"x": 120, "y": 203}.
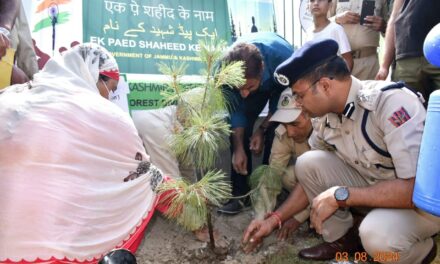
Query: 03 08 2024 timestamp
{"x": 379, "y": 256}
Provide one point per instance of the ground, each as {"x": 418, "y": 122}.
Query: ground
{"x": 165, "y": 242}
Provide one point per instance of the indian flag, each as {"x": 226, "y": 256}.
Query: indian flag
{"x": 68, "y": 26}
{"x": 51, "y": 8}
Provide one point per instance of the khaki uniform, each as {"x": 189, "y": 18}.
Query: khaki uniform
{"x": 21, "y": 42}
{"x": 377, "y": 138}
{"x": 418, "y": 73}
{"x": 284, "y": 151}
{"x": 363, "y": 41}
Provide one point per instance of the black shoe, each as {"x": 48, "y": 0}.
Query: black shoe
{"x": 233, "y": 207}
{"x": 431, "y": 254}
{"x": 118, "y": 256}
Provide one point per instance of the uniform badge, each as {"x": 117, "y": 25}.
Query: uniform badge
{"x": 399, "y": 117}
{"x": 348, "y": 110}
{"x": 282, "y": 79}
{"x": 285, "y": 101}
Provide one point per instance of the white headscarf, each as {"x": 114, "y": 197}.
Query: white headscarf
{"x": 81, "y": 65}
{"x": 64, "y": 154}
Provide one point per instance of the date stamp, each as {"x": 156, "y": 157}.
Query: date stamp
{"x": 386, "y": 256}
{"x": 379, "y": 256}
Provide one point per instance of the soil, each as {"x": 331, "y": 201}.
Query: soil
{"x": 166, "y": 242}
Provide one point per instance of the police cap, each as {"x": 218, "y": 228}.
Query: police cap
{"x": 305, "y": 59}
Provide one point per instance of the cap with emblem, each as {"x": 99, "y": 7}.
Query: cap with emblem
{"x": 304, "y": 60}
{"x": 288, "y": 111}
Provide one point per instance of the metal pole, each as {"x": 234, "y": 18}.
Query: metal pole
{"x": 293, "y": 22}
{"x": 284, "y": 17}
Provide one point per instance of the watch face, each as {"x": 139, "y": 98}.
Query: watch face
{"x": 341, "y": 194}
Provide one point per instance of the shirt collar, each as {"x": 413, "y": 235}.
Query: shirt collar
{"x": 280, "y": 131}
{"x": 351, "y": 109}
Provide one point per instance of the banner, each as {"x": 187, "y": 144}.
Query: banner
{"x": 142, "y": 33}
{"x": 145, "y": 91}
{"x": 138, "y": 89}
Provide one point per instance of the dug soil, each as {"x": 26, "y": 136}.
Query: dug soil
{"x": 165, "y": 242}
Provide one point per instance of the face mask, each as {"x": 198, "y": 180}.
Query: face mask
{"x": 110, "y": 93}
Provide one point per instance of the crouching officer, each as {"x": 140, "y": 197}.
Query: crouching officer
{"x": 374, "y": 131}
{"x": 290, "y": 141}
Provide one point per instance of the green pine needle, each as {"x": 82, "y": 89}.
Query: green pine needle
{"x": 203, "y": 132}
{"x": 211, "y": 52}
{"x": 174, "y": 72}
{"x": 231, "y": 75}
{"x": 188, "y": 203}
{"x": 201, "y": 139}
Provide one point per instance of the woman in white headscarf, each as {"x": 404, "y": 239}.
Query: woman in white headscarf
{"x": 93, "y": 66}
{"x": 75, "y": 179}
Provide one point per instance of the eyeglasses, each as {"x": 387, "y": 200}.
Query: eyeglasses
{"x": 299, "y": 96}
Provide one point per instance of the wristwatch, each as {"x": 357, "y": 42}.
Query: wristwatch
{"x": 341, "y": 196}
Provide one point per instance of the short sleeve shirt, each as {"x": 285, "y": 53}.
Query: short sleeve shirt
{"x": 284, "y": 149}
{"x": 331, "y": 31}
{"x": 394, "y": 123}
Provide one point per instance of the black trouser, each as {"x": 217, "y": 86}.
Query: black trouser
{"x": 240, "y": 184}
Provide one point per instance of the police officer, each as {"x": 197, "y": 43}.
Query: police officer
{"x": 374, "y": 129}
{"x": 290, "y": 141}
{"x": 362, "y": 35}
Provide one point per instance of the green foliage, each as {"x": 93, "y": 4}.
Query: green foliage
{"x": 201, "y": 140}
{"x": 230, "y": 75}
{"x": 214, "y": 76}
{"x": 210, "y": 54}
{"x": 174, "y": 73}
{"x": 266, "y": 184}
{"x": 201, "y": 133}
{"x": 201, "y": 111}
{"x": 187, "y": 203}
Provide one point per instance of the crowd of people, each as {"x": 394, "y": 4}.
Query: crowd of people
{"x": 347, "y": 132}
